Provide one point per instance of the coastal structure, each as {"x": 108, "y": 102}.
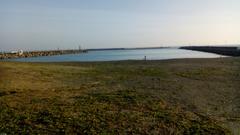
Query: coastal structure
{"x": 222, "y": 50}
{"x": 22, "y": 54}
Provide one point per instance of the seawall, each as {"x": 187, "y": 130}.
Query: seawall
{"x": 228, "y": 51}
{"x": 39, "y": 53}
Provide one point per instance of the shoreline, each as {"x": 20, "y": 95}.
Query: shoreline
{"x": 119, "y": 61}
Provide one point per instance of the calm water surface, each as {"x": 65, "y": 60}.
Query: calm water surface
{"x": 115, "y": 55}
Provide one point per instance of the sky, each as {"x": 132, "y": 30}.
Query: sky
{"x": 66, "y": 24}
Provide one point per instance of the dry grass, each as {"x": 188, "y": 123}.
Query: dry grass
{"x": 191, "y": 96}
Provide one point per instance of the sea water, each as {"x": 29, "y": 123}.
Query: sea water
{"x": 116, "y": 55}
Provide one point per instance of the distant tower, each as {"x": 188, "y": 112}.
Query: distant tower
{"x": 79, "y": 47}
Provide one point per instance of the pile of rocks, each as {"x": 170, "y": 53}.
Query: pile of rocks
{"x": 38, "y": 53}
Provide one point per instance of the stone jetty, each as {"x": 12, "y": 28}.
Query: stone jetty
{"x": 22, "y": 54}
{"x": 228, "y": 51}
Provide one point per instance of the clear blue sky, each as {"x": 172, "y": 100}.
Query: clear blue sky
{"x": 51, "y": 24}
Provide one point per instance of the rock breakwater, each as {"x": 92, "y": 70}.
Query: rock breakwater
{"x": 228, "y": 51}
{"x": 38, "y": 53}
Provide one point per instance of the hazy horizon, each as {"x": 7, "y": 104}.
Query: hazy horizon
{"x": 45, "y": 24}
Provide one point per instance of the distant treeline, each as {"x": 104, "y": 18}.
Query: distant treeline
{"x": 228, "y": 51}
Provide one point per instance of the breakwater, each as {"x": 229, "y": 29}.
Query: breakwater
{"x": 28, "y": 54}
{"x": 228, "y": 51}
